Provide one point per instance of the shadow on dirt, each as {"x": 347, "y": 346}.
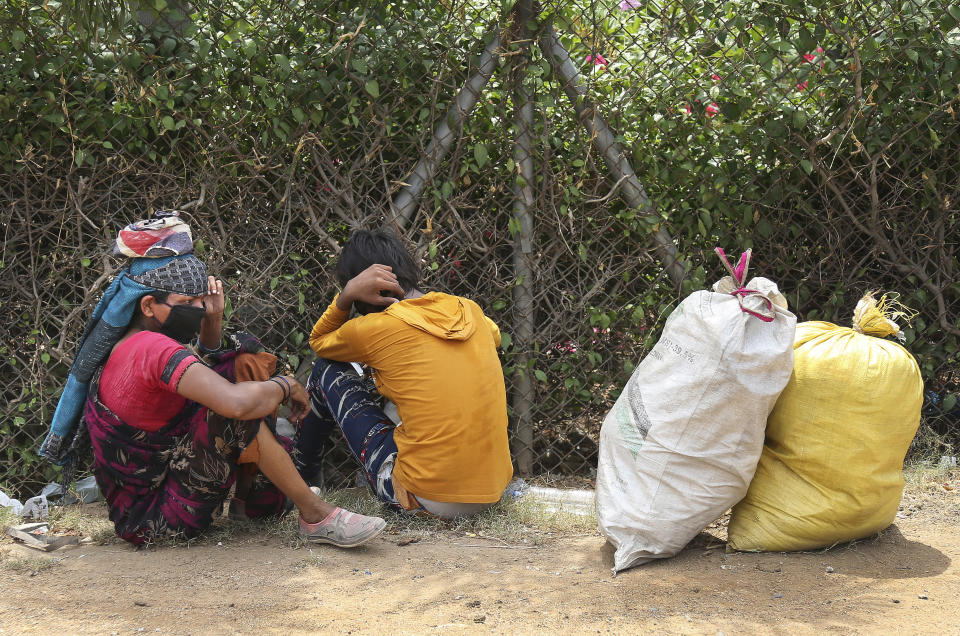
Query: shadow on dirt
{"x": 889, "y": 555}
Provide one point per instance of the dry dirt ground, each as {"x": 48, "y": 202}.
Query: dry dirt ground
{"x": 538, "y": 577}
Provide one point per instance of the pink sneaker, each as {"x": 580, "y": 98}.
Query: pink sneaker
{"x": 342, "y": 528}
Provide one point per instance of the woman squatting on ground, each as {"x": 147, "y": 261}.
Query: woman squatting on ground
{"x": 171, "y": 433}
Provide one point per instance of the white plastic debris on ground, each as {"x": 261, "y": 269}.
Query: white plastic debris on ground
{"x": 38, "y": 507}
{"x": 578, "y": 502}
{"x": 7, "y": 502}
{"x": 34, "y": 508}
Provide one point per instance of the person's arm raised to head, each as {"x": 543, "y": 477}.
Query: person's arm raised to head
{"x": 328, "y": 338}
{"x": 243, "y": 400}
{"x": 212, "y": 326}
{"x": 367, "y": 287}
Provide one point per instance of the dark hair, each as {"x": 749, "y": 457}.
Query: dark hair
{"x": 159, "y": 296}
{"x": 372, "y": 247}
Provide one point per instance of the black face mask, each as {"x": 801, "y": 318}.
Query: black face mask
{"x": 183, "y": 322}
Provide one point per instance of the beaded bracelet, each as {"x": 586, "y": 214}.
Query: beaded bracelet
{"x": 284, "y": 386}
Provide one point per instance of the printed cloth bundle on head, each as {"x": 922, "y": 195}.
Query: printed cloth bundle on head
{"x": 161, "y": 253}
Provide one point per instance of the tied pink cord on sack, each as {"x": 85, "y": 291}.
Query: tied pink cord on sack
{"x": 739, "y": 274}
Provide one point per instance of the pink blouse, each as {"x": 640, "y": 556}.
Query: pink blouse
{"x": 139, "y": 381}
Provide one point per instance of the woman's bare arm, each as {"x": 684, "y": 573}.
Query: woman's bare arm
{"x": 243, "y": 400}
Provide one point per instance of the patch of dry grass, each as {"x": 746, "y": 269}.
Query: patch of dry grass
{"x": 7, "y": 518}
{"x": 82, "y": 521}
{"x": 524, "y": 521}
{"x": 27, "y": 564}
{"x": 932, "y": 492}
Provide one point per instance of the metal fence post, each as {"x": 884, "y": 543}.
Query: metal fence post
{"x": 523, "y": 249}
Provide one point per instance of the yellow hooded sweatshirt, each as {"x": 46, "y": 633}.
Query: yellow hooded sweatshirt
{"x": 435, "y": 357}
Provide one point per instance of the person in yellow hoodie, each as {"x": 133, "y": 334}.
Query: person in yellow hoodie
{"x": 433, "y": 355}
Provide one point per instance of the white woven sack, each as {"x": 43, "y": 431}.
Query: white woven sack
{"x": 682, "y": 442}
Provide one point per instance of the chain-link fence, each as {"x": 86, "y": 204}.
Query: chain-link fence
{"x": 569, "y": 165}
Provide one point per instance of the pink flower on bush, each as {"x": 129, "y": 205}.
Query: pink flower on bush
{"x": 712, "y": 109}
{"x": 598, "y": 60}
{"x": 812, "y": 57}
{"x": 802, "y": 86}
{"x": 566, "y": 347}
{"x": 715, "y": 78}
{"x": 687, "y": 108}
{"x": 628, "y": 5}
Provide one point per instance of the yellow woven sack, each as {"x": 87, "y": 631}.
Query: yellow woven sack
{"x": 831, "y": 467}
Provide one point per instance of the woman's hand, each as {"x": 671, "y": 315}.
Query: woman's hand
{"x": 299, "y": 399}
{"x": 366, "y": 286}
{"x": 214, "y": 301}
